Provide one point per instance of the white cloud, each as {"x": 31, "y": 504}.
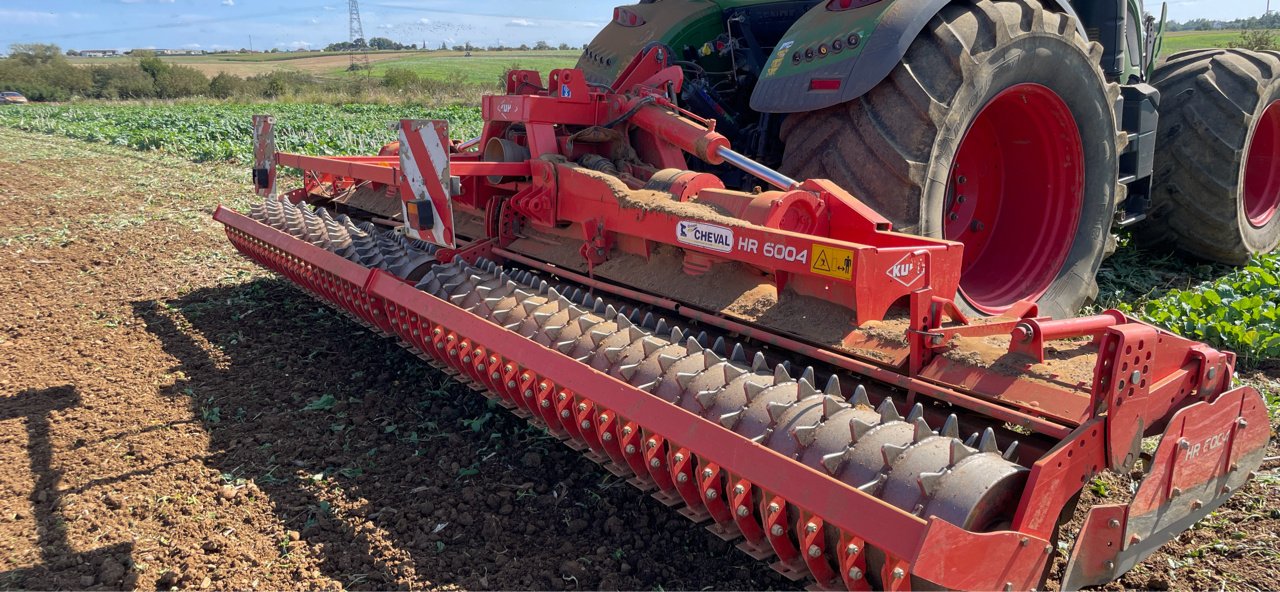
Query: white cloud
{"x": 27, "y": 17}
{"x": 521, "y": 22}
{"x": 228, "y": 2}
{"x": 327, "y": 7}
{"x": 192, "y": 46}
{"x": 424, "y": 21}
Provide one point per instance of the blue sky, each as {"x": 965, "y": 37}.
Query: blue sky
{"x": 290, "y": 24}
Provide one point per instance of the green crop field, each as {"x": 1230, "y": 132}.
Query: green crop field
{"x": 1184, "y": 40}
{"x": 224, "y": 132}
{"x": 481, "y": 67}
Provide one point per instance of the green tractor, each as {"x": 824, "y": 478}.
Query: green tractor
{"x": 1026, "y": 129}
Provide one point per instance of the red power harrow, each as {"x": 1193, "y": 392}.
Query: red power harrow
{"x": 822, "y": 400}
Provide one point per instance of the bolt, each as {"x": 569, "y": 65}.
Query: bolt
{"x": 811, "y": 528}
{"x": 1183, "y": 444}
{"x": 511, "y": 384}
{"x": 524, "y": 376}
{"x": 631, "y": 449}
{"x": 561, "y": 397}
{"x": 651, "y": 443}
{"x": 960, "y": 199}
{"x": 586, "y": 425}
{"x": 739, "y": 490}
{"x": 1177, "y": 491}
{"x": 545, "y": 403}
{"x": 1048, "y": 549}
{"x": 1242, "y": 422}
{"x": 743, "y": 511}
{"x": 679, "y": 457}
{"x": 1114, "y": 523}
{"x": 1196, "y": 504}
{"x": 1135, "y": 539}
{"x": 855, "y": 573}
{"x": 1226, "y": 489}
{"x": 711, "y": 494}
{"x": 1136, "y": 377}
{"x": 682, "y": 477}
{"x": 626, "y": 431}
{"x": 1109, "y": 565}
{"x": 962, "y": 180}
{"x": 1008, "y": 586}
{"x": 495, "y": 376}
{"x": 977, "y": 226}
{"x": 776, "y": 530}
{"x": 466, "y": 359}
{"x": 706, "y": 473}
{"x": 773, "y": 508}
{"x": 814, "y": 551}
{"x": 564, "y": 413}
{"x": 528, "y": 393}
{"x": 603, "y": 418}
{"x": 654, "y": 463}
{"x": 582, "y": 407}
{"x": 852, "y": 549}
{"x": 1025, "y": 541}
{"x": 898, "y": 573}
{"x": 1212, "y": 372}
{"x": 607, "y": 437}
{"x": 953, "y": 216}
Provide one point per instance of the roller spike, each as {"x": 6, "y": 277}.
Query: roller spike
{"x": 677, "y": 335}
{"x": 513, "y": 326}
{"x": 759, "y": 364}
{"x": 888, "y": 412}
{"x": 652, "y": 344}
{"x": 649, "y": 321}
{"x": 684, "y": 378}
{"x": 807, "y": 375}
{"x": 710, "y": 358}
{"x": 522, "y": 295}
{"x": 805, "y": 435}
{"x": 585, "y": 323}
{"x": 566, "y": 303}
{"x": 543, "y": 286}
{"x": 629, "y": 370}
{"x": 648, "y": 386}
{"x": 566, "y": 346}
{"x": 805, "y": 390}
{"x": 599, "y": 336}
{"x": 738, "y": 354}
{"x": 729, "y": 420}
{"x": 780, "y": 374}
{"x": 553, "y": 331}
{"x": 553, "y": 294}
{"x": 776, "y": 409}
{"x": 753, "y": 389}
{"x": 917, "y": 411}
{"x": 703, "y": 339}
{"x": 476, "y": 278}
{"x": 873, "y": 485}
{"x": 576, "y": 295}
{"x": 623, "y": 321}
{"x": 859, "y": 428}
{"x": 530, "y": 305}
{"x": 634, "y": 333}
{"x": 492, "y": 302}
{"x": 959, "y": 452}
{"x": 1011, "y": 453}
{"x": 860, "y": 397}
{"x": 719, "y": 346}
{"x": 922, "y": 430}
{"x": 600, "y": 307}
{"x": 610, "y": 312}
{"x": 988, "y": 441}
{"x": 501, "y": 315}
{"x": 972, "y": 440}
{"x": 613, "y": 353}
{"x": 891, "y": 452}
{"x": 831, "y": 406}
{"x": 541, "y": 317}
{"x": 759, "y": 439}
{"x": 662, "y": 328}
{"x": 832, "y": 462}
{"x": 950, "y": 427}
{"x": 458, "y": 299}
{"x": 665, "y": 361}
{"x": 691, "y": 344}
{"x": 634, "y": 315}
{"x": 833, "y": 386}
{"x": 706, "y": 398}
{"x": 732, "y": 372}
{"x": 930, "y": 482}
{"x": 584, "y": 358}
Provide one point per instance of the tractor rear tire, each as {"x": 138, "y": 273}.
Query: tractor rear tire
{"x": 1216, "y": 186}
{"x": 1041, "y": 171}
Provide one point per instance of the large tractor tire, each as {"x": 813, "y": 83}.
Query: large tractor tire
{"x": 1216, "y": 187}
{"x": 997, "y": 130}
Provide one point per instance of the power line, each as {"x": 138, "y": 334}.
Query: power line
{"x": 359, "y": 60}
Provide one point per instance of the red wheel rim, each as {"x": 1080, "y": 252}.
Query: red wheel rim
{"x": 1016, "y": 192}
{"x": 1262, "y": 169}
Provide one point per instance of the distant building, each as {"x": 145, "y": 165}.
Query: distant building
{"x": 180, "y": 52}
{"x": 99, "y": 53}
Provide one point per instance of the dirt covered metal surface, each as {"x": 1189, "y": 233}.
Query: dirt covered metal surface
{"x": 171, "y": 416}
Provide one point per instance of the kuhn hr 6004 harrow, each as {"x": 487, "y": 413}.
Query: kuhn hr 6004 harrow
{"x": 778, "y": 362}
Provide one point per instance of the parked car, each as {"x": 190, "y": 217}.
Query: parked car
{"x": 12, "y": 98}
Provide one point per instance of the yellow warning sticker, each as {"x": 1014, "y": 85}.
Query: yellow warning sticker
{"x": 831, "y": 261}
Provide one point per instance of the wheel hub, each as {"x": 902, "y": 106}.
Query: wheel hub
{"x": 1262, "y": 169}
{"x": 1015, "y": 195}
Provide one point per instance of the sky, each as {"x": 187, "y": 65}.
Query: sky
{"x": 303, "y": 24}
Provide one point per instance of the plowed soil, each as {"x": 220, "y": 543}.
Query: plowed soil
{"x": 170, "y": 416}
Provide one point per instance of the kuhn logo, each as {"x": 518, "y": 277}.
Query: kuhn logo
{"x": 908, "y": 270}
{"x": 707, "y": 236}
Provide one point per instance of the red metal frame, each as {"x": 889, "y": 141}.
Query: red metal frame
{"x": 1143, "y": 381}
